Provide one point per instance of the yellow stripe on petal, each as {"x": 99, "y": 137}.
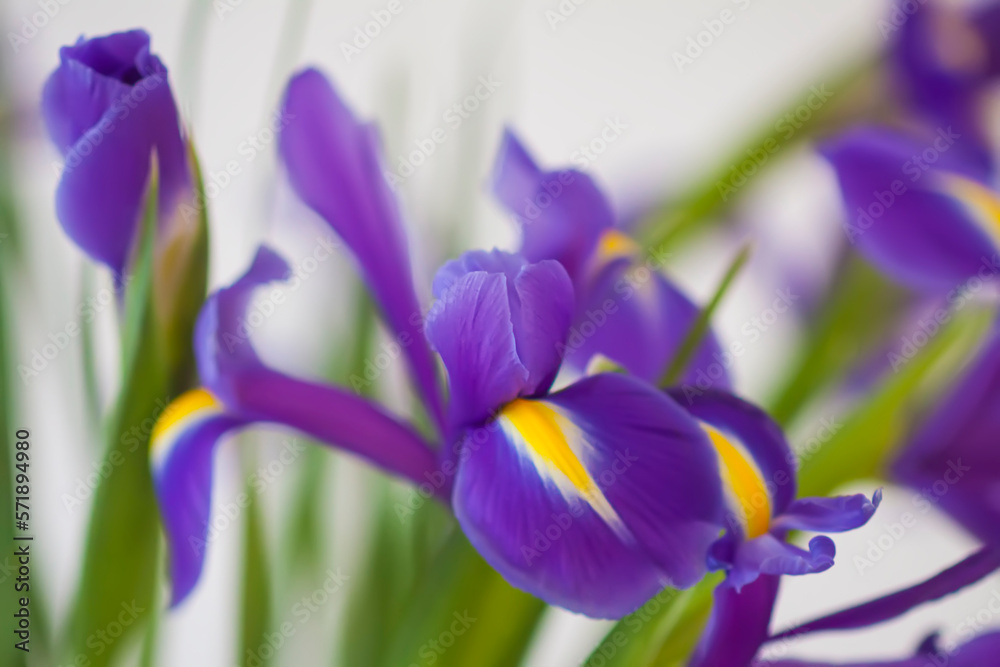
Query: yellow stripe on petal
{"x": 982, "y": 202}
{"x": 613, "y": 245}
{"x": 744, "y": 481}
{"x": 191, "y": 406}
{"x": 554, "y": 444}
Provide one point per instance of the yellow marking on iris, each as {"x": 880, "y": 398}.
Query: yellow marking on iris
{"x": 539, "y": 426}
{"x": 613, "y": 245}
{"x": 982, "y": 200}
{"x": 746, "y": 483}
{"x": 183, "y": 406}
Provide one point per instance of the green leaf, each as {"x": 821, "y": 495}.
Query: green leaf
{"x": 661, "y": 632}
{"x": 860, "y": 310}
{"x": 255, "y": 606}
{"x": 860, "y": 448}
{"x": 462, "y": 601}
{"x": 699, "y": 329}
{"x": 120, "y": 556}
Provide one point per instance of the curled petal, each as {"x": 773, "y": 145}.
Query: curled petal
{"x": 829, "y": 515}
{"x": 594, "y": 498}
{"x": 333, "y": 164}
{"x": 769, "y": 555}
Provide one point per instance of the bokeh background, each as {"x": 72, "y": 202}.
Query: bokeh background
{"x": 559, "y": 84}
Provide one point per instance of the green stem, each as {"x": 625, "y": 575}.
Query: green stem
{"x": 701, "y": 325}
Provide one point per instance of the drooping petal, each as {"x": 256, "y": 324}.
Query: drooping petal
{"x": 593, "y": 498}
{"x": 638, "y": 318}
{"x": 182, "y": 450}
{"x": 952, "y": 458}
{"x": 749, "y": 434}
{"x": 562, "y": 213}
{"x": 914, "y": 208}
{"x": 230, "y": 369}
{"x": 888, "y": 607}
{"x": 828, "y": 515}
{"x": 107, "y": 107}
{"x": 738, "y": 625}
{"x": 241, "y": 392}
{"x": 333, "y": 164}
{"x": 768, "y": 554}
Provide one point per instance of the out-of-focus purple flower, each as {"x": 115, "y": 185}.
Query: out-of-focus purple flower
{"x": 921, "y": 212}
{"x": 108, "y": 108}
{"x": 944, "y": 59}
{"x": 624, "y": 475}
{"x": 953, "y": 457}
{"x": 979, "y": 651}
{"x": 626, "y": 310}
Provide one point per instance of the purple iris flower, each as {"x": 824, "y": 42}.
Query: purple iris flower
{"x": 627, "y": 310}
{"x": 108, "y": 107}
{"x": 922, "y": 204}
{"x": 944, "y": 59}
{"x": 593, "y": 498}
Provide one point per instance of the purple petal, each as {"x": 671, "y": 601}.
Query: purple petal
{"x": 222, "y": 346}
{"x": 107, "y": 107}
{"x": 181, "y": 461}
{"x": 947, "y": 91}
{"x": 770, "y": 555}
{"x": 755, "y": 431}
{"x": 562, "y": 213}
{"x": 738, "y": 624}
{"x": 966, "y": 573}
{"x": 952, "y": 459}
{"x": 593, "y": 499}
{"x": 540, "y": 297}
{"x": 333, "y": 164}
{"x": 637, "y": 318}
{"x": 828, "y": 515}
{"x": 926, "y": 233}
